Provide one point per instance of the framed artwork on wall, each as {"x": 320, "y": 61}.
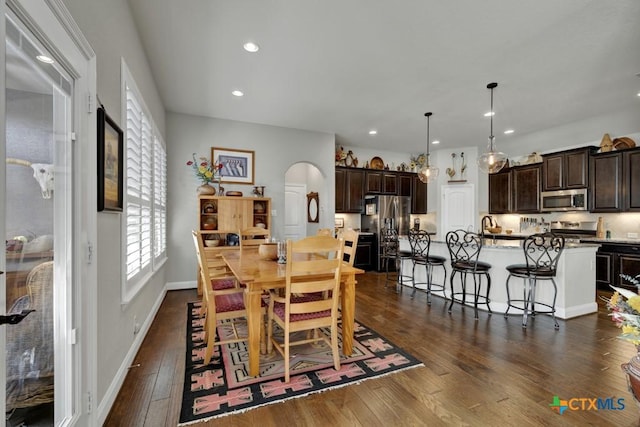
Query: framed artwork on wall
{"x": 312, "y": 207}
{"x": 110, "y": 164}
{"x": 238, "y": 166}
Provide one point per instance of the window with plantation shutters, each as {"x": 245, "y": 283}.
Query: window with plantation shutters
{"x": 145, "y": 201}
{"x": 159, "y": 201}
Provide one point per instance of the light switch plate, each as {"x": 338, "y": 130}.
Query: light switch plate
{"x": 274, "y": 212}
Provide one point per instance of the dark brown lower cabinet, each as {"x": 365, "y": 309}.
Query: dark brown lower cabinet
{"x": 614, "y": 260}
{"x": 366, "y": 252}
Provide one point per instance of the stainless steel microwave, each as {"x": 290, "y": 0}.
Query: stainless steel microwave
{"x": 564, "y": 200}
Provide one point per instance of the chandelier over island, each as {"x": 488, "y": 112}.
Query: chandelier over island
{"x": 492, "y": 161}
{"x": 428, "y": 172}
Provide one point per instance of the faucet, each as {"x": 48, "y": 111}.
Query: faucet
{"x": 486, "y": 220}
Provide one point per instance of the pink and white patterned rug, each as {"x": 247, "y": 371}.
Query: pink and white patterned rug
{"x": 223, "y": 387}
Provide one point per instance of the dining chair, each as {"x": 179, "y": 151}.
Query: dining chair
{"x": 252, "y": 237}
{"x": 220, "y": 304}
{"x": 541, "y": 254}
{"x": 420, "y": 242}
{"x": 324, "y": 232}
{"x": 464, "y": 250}
{"x": 311, "y": 297}
{"x": 350, "y": 238}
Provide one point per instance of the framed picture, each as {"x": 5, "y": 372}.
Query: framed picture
{"x": 110, "y": 164}
{"x": 339, "y": 222}
{"x": 238, "y": 166}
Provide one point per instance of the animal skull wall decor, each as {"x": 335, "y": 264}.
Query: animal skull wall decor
{"x": 42, "y": 172}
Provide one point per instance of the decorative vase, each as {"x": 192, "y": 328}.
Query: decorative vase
{"x": 632, "y": 371}
{"x": 206, "y": 190}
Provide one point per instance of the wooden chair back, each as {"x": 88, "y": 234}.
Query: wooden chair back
{"x": 253, "y": 237}
{"x": 324, "y": 232}
{"x": 350, "y": 238}
{"x": 311, "y": 295}
{"x": 217, "y": 304}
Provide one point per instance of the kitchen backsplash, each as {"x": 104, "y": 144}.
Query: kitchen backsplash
{"x": 620, "y": 224}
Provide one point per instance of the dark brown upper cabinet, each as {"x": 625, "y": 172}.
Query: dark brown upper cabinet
{"x": 606, "y": 182}
{"x": 566, "y": 169}
{"x": 631, "y": 164}
{"x": 418, "y": 196}
{"x": 349, "y": 190}
{"x": 500, "y": 192}
{"x": 381, "y": 182}
{"x": 404, "y": 184}
{"x": 515, "y": 190}
{"x": 526, "y": 189}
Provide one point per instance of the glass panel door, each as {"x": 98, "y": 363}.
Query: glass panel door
{"x": 38, "y": 231}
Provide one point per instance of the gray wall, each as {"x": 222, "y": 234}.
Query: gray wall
{"x": 109, "y": 28}
{"x": 276, "y": 149}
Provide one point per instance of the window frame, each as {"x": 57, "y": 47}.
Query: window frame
{"x": 152, "y": 198}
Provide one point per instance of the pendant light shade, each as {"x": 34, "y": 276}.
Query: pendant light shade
{"x": 428, "y": 173}
{"x": 492, "y": 160}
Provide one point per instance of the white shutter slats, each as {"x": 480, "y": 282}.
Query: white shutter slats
{"x": 146, "y": 193}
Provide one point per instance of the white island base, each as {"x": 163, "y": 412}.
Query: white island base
{"x": 576, "y": 277}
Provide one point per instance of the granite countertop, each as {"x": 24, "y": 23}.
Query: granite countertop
{"x": 517, "y": 244}
{"x": 611, "y": 241}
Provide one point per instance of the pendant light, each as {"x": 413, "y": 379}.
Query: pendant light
{"x": 428, "y": 172}
{"x": 492, "y": 161}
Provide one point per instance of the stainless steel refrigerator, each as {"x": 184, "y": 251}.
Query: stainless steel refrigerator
{"x": 386, "y": 212}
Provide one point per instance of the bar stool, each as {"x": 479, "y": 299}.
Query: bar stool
{"x": 391, "y": 252}
{"x": 541, "y": 253}
{"x": 420, "y": 242}
{"x": 464, "y": 250}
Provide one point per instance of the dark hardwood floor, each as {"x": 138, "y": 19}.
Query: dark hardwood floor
{"x": 477, "y": 373}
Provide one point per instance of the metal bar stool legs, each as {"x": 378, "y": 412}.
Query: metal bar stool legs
{"x": 478, "y": 298}
{"x": 429, "y": 277}
{"x": 529, "y": 300}
{"x": 541, "y": 254}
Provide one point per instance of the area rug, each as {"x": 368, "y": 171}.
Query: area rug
{"x": 223, "y": 387}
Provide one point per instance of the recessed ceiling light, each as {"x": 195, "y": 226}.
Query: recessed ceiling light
{"x": 435, "y": 142}
{"x": 489, "y": 114}
{"x": 251, "y": 47}
{"x": 373, "y": 132}
{"x": 638, "y": 93}
{"x": 237, "y": 93}
{"x": 508, "y": 131}
{"x": 45, "y": 59}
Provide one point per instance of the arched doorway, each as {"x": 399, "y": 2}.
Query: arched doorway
{"x": 299, "y": 180}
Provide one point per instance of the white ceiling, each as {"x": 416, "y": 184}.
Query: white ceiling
{"x": 349, "y": 66}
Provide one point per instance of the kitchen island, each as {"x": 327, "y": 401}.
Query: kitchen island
{"x": 575, "y": 278}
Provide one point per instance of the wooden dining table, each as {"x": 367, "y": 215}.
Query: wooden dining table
{"x": 259, "y": 275}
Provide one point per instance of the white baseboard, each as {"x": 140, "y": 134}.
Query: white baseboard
{"x": 109, "y": 398}
{"x": 177, "y": 286}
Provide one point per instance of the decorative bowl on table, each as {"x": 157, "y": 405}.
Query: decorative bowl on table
{"x": 234, "y": 193}
{"x": 268, "y": 251}
{"x": 494, "y": 230}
